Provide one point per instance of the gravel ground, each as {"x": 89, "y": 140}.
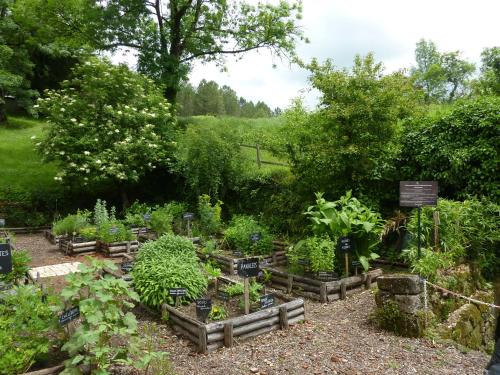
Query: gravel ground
{"x": 336, "y": 338}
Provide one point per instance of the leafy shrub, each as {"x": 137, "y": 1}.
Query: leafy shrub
{"x": 89, "y": 233}
{"x": 71, "y": 223}
{"x": 210, "y": 215}
{"x": 235, "y": 289}
{"x": 134, "y": 215}
{"x": 26, "y": 327}
{"x": 347, "y": 217}
{"x": 161, "y": 221}
{"x": 238, "y": 234}
{"x": 318, "y": 251}
{"x": 101, "y": 214}
{"x": 169, "y": 262}
{"x": 103, "y": 303}
{"x": 114, "y": 231}
{"x": 20, "y": 265}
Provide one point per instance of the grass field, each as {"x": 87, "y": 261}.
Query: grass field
{"x": 20, "y": 166}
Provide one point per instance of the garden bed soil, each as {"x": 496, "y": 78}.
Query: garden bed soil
{"x": 322, "y": 291}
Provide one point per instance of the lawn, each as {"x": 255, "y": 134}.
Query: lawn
{"x": 20, "y": 165}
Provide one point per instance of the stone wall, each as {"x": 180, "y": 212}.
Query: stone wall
{"x": 400, "y": 305}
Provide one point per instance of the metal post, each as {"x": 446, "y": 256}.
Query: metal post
{"x": 419, "y": 231}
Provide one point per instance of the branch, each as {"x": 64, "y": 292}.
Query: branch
{"x": 226, "y": 52}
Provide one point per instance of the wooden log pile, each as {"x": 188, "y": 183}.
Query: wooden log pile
{"x": 323, "y": 291}
{"x": 69, "y": 247}
{"x": 228, "y": 263}
{"x": 118, "y": 249}
{"x": 211, "y": 336}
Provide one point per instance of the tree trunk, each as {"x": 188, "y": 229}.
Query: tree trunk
{"x": 170, "y": 94}
{"x": 496, "y": 288}
{"x": 3, "y": 112}
{"x": 124, "y": 196}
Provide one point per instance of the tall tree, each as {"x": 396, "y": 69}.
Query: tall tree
{"x": 230, "y": 99}
{"x": 170, "y": 35}
{"x": 186, "y": 99}
{"x": 208, "y": 99}
{"x": 489, "y": 82}
{"x": 442, "y": 76}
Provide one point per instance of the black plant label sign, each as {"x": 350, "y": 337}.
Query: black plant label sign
{"x": 248, "y": 267}
{"x": 303, "y": 262}
{"x": 223, "y": 295}
{"x": 266, "y": 301}
{"x": 69, "y": 315}
{"x": 356, "y": 263}
{"x": 5, "y": 258}
{"x": 203, "y": 308}
{"x": 188, "y": 216}
{"x": 113, "y": 230}
{"x": 126, "y": 267}
{"x": 237, "y": 253}
{"x": 147, "y": 217}
{"x": 346, "y": 246}
{"x": 327, "y": 276}
{"x": 177, "y": 292}
{"x": 2, "y": 222}
{"x": 255, "y": 237}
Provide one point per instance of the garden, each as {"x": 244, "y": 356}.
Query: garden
{"x": 148, "y": 227}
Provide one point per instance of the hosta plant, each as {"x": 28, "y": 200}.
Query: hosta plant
{"x": 348, "y": 217}
{"x": 169, "y": 262}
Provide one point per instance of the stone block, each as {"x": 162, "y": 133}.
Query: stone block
{"x": 409, "y": 303}
{"x": 400, "y": 284}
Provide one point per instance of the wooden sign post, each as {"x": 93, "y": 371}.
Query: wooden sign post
{"x": 418, "y": 194}
{"x": 176, "y": 293}
{"x": 346, "y": 246}
{"x": 247, "y": 268}
{"x": 188, "y": 216}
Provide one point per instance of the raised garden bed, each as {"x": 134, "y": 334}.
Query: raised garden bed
{"x": 72, "y": 247}
{"x": 210, "y": 336}
{"x": 53, "y": 239}
{"x": 228, "y": 262}
{"x": 117, "y": 249}
{"x": 139, "y": 231}
{"x": 323, "y": 291}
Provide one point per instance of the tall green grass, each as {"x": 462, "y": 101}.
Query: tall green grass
{"x": 21, "y": 167}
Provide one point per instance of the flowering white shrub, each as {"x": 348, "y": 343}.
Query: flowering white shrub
{"x": 106, "y": 123}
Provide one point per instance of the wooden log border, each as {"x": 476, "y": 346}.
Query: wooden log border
{"x": 228, "y": 264}
{"x": 50, "y": 236}
{"x": 320, "y": 290}
{"x": 115, "y": 249}
{"x": 25, "y": 230}
{"x": 211, "y": 336}
{"x": 69, "y": 247}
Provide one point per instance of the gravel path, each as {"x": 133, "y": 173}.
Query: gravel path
{"x": 337, "y": 338}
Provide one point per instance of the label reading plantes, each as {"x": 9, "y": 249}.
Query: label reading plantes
{"x": 2, "y": 222}
{"x": 177, "y": 292}
{"x": 126, "y": 267}
{"x": 5, "y": 258}
{"x": 266, "y": 301}
{"x": 113, "y": 230}
{"x": 188, "y": 216}
{"x": 327, "y": 276}
{"x": 237, "y": 253}
{"x": 69, "y": 315}
{"x": 248, "y": 267}
{"x": 255, "y": 237}
{"x": 223, "y": 295}
{"x": 418, "y": 193}
{"x": 203, "y": 308}
{"x": 345, "y": 245}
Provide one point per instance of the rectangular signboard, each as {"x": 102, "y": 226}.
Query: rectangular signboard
{"x": 188, "y": 216}
{"x": 203, "y": 308}
{"x": 5, "y": 258}
{"x": 126, "y": 267}
{"x": 346, "y": 245}
{"x": 418, "y": 193}
{"x": 69, "y": 315}
{"x": 266, "y": 301}
{"x": 248, "y": 267}
{"x": 177, "y": 292}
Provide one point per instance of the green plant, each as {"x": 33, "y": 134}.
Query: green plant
{"x": 169, "y": 262}
{"x": 235, "y": 289}
{"x": 161, "y": 220}
{"x": 348, "y": 217}
{"x": 147, "y": 358}
{"x": 212, "y": 270}
{"x": 238, "y": 236}
{"x": 209, "y": 247}
{"x": 217, "y": 313}
{"x": 27, "y": 329}
{"x": 267, "y": 276}
{"x": 71, "y": 223}
{"x": 101, "y": 215}
{"x": 20, "y": 266}
{"x": 210, "y": 215}
{"x": 134, "y": 215}
{"x": 319, "y": 251}
{"x": 89, "y": 233}
{"x": 113, "y": 231}
{"x": 103, "y": 301}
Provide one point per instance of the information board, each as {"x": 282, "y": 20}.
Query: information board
{"x": 418, "y": 193}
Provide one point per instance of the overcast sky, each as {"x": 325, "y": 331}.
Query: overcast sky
{"x": 338, "y": 29}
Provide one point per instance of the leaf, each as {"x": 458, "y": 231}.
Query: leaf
{"x": 364, "y": 262}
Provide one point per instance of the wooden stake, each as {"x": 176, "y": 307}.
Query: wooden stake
{"x": 435, "y": 216}
{"x": 258, "y": 156}
{"x": 246, "y": 295}
{"x": 346, "y": 265}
